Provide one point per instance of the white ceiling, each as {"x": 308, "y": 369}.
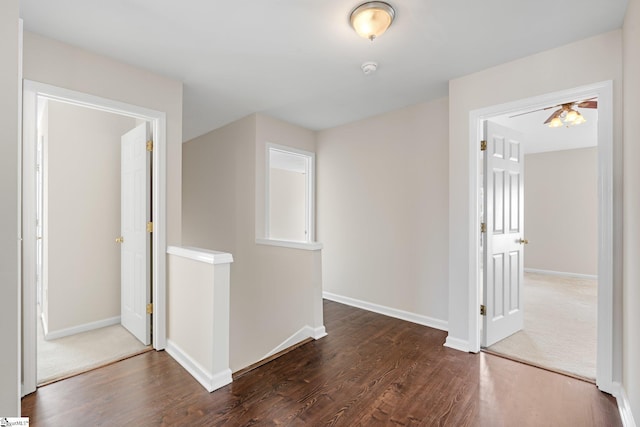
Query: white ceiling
{"x": 299, "y": 60}
{"x": 539, "y": 137}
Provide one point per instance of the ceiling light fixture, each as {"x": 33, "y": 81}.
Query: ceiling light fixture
{"x": 567, "y": 115}
{"x": 371, "y": 19}
{"x": 555, "y": 123}
{"x": 578, "y": 120}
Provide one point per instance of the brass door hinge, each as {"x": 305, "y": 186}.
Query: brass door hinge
{"x": 150, "y": 308}
{"x": 483, "y": 310}
{"x": 150, "y": 227}
{"x": 149, "y": 145}
{"x": 483, "y": 145}
{"x": 483, "y": 227}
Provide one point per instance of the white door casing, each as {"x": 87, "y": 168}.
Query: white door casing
{"x": 34, "y": 92}
{"x": 503, "y": 249}
{"x": 135, "y": 248}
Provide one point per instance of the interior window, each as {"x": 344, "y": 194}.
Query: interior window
{"x": 289, "y": 194}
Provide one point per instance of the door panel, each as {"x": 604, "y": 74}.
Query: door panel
{"x": 502, "y": 254}
{"x": 135, "y": 250}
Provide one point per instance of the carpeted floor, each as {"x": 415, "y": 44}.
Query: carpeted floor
{"x": 560, "y": 316}
{"x": 81, "y": 352}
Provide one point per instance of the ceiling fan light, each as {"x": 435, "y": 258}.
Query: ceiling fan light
{"x": 371, "y": 19}
{"x": 571, "y": 116}
{"x": 555, "y": 123}
{"x": 579, "y": 120}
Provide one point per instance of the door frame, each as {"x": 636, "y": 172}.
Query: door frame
{"x": 605, "y": 333}
{"x": 31, "y": 92}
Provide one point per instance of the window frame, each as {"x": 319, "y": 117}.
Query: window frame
{"x": 310, "y": 171}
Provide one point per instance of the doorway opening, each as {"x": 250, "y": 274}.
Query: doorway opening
{"x": 605, "y": 268}
{"x": 559, "y": 257}
{"x": 86, "y": 240}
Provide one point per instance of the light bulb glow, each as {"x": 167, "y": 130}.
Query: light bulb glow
{"x": 579, "y": 120}
{"x": 370, "y": 20}
{"x": 555, "y": 123}
{"x": 571, "y": 116}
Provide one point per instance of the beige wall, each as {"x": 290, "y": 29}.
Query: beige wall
{"x": 631, "y": 275}
{"x": 82, "y": 168}
{"x": 287, "y": 194}
{"x": 591, "y": 60}
{"x": 190, "y": 296}
{"x": 382, "y": 209}
{"x": 215, "y": 168}
{"x": 49, "y": 61}
{"x": 275, "y": 291}
{"x": 561, "y": 211}
{"x": 9, "y": 337}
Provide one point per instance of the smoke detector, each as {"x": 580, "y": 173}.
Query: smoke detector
{"x": 369, "y": 68}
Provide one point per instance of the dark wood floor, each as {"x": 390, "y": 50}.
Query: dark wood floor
{"x": 370, "y": 370}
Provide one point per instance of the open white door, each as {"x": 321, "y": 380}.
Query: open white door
{"x": 135, "y": 240}
{"x": 503, "y": 249}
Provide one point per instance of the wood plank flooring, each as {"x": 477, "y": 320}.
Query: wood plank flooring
{"x": 369, "y": 370}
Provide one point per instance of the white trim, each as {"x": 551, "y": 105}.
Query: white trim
{"x": 61, "y": 333}
{"x": 301, "y": 335}
{"x": 624, "y": 406}
{"x": 19, "y": 248}
{"x": 311, "y": 190}
{"x": 32, "y": 89}
{"x": 561, "y": 273}
{"x": 307, "y": 246}
{"x": 201, "y": 255}
{"x": 319, "y": 332}
{"x": 45, "y": 325}
{"x": 388, "y": 311}
{"x": 604, "y": 92}
{"x": 209, "y": 381}
{"x": 457, "y": 344}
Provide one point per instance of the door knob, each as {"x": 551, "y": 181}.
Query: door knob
{"x": 523, "y": 241}
{"x": 120, "y": 239}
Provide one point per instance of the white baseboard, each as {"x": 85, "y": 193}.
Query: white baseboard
{"x": 457, "y": 344}
{"x": 388, "y": 311}
{"x": 561, "y": 273}
{"x": 624, "y": 406}
{"x": 208, "y": 380}
{"x": 301, "y": 335}
{"x": 54, "y": 335}
{"x": 318, "y": 333}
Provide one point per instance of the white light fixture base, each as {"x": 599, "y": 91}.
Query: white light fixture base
{"x": 369, "y": 68}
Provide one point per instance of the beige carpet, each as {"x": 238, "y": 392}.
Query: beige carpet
{"x": 560, "y": 316}
{"x": 81, "y": 352}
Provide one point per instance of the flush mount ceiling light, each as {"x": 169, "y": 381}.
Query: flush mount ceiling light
{"x": 371, "y": 19}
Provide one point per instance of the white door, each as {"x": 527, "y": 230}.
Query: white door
{"x": 135, "y": 245}
{"x": 503, "y": 249}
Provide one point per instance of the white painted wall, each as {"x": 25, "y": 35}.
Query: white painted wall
{"x": 275, "y": 291}
{"x": 287, "y": 190}
{"x": 9, "y": 314}
{"x": 55, "y": 63}
{"x": 82, "y": 169}
{"x": 561, "y": 211}
{"x": 631, "y": 274}
{"x": 383, "y": 209}
{"x": 591, "y": 60}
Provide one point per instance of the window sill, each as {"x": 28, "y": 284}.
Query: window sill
{"x": 311, "y": 246}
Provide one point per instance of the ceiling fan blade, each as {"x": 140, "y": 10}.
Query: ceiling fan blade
{"x": 553, "y": 116}
{"x": 587, "y": 104}
{"x": 532, "y": 111}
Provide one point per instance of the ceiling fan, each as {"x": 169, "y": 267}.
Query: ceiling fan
{"x": 567, "y": 113}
